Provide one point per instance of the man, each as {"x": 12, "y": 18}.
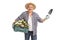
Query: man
{"x": 32, "y": 18}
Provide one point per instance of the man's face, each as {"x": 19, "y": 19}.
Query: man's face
{"x": 30, "y": 8}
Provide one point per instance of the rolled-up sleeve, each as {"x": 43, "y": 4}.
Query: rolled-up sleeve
{"x": 38, "y": 18}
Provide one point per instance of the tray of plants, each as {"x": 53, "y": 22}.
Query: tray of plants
{"x": 20, "y": 26}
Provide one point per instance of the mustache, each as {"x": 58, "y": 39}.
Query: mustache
{"x": 29, "y": 9}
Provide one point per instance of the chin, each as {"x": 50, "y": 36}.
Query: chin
{"x": 30, "y": 11}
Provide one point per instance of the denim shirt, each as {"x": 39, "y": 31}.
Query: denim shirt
{"x": 35, "y": 19}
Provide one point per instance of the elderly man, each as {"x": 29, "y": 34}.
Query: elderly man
{"x": 32, "y": 18}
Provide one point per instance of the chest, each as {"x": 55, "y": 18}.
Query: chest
{"x": 32, "y": 18}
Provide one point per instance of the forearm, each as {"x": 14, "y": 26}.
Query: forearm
{"x": 47, "y": 17}
{"x": 42, "y": 20}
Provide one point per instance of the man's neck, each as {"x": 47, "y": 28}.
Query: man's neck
{"x": 30, "y": 13}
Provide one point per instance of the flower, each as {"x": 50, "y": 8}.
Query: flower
{"x": 21, "y": 23}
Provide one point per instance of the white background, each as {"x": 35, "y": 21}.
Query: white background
{"x": 11, "y": 9}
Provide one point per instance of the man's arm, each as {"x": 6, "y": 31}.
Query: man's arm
{"x": 42, "y": 20}
{"x": 19, "y": 18}
{"x": 47, "y": 17}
